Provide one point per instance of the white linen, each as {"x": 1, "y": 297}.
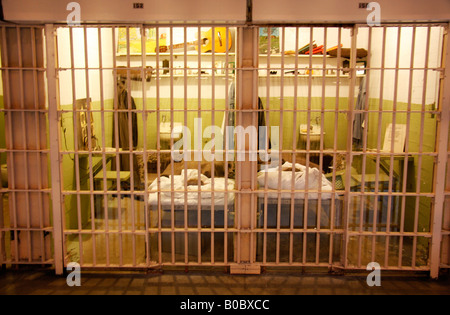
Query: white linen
{"x": 316, "y": 181}
{"x": 192, "y": 190}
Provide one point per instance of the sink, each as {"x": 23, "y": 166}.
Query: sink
{"x": 166, "y": 133}
{"x": 314, "y": 132}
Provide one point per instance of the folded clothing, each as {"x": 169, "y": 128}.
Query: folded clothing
{"x": 192, "y": 177}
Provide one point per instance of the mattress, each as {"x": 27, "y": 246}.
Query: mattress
{"x": 318, "y": 185}
{"x": 193, "y": 193}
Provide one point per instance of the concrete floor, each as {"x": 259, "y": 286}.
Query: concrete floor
{"x": 45, "y": 282}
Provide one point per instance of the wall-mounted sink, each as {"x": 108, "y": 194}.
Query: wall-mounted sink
{"x": 166, "y": 132}
{"x": 314, "y": 132}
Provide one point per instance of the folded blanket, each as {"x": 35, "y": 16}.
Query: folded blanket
{"x": 272, "y": 179}
{"x": 192, "y": 193}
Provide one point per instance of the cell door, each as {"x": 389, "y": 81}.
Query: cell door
{"x": 360, "y": 124}
{"x": 240, "y": 147}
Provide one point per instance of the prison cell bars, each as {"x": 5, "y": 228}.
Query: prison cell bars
{"x": 28, "y": 188}
{"x": 390, "y": 193}
{"x": 360, "y": 234}
{"x": 292, "y": 191}
{"x": 403, "y": 194}
{"x": 80, "y": 231}
{"x": 55, "y": 156}
{"x": 441, "y": 210}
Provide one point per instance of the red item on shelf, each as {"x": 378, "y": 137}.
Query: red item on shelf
{"x": 316, "y": 50}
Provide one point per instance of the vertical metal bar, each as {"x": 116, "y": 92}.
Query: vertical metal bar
{"x": 23, "y": 147}
{"x": 254, "y": 166}
{"x": 133, "y": 188}
{"x": 130, "y": 111}
{"x": 308, "y": 145}
{"x": 391, "y": 163}
{"x": 116, "y": 144}
{"x": 408, "y": 128}
{"x": 102, "y": 112}
{"x": 442, "y": 159}
{"x": 380, "y": 118}
{"x": 158, "y": 147}
{"x": 350, "y": 118}
{"x": 321, "y": 146}
{"x": 76, "y": 146}
{"x": 7, "y": 105}
{"x": 38, "y": 144}
{"x": 2, "y": 221}
{"x": 186, "y": 214}
{"x": 421, "y": 140}
{"x": 239, "y": 209}
{"x": 281, "y": 113}
{"x": 268, "y": 109}
{"x": 172, "y": 107}
{"x": 247, "y": 73}
{"x": 335, "y": 144}
{"x": 367, "y": 107}
{"x": 90, "y": 132}
{"x": 224, "y": 153}
{"x": 364, "y": 157}
{"x": 213, "y": 120}
{"x": 26, "y": 184}
{"x": 54, "y": 149}
{"x": 9, "y": 142}
{"x": 199, "y": 152}
{"x": 145, "y": 153}
{"x": 294, "y": 149}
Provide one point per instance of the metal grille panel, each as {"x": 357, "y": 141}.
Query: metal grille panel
{"x": 231, "y": 146}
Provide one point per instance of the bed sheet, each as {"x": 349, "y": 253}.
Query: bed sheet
{"x": 192, "y": 193}
{"x": 319, "y": 185}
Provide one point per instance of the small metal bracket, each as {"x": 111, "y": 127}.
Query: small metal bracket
{"x": 245, "y": 269}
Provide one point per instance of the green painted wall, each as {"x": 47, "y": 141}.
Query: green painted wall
{"x": 274, "y": 118}
{"x": 288, "y": 119}
{"x": 67, "y": 141}
{"x": 416, "y": 120}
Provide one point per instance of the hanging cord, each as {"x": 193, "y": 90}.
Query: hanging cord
{"x": 65, "y": 138}
{"x": 65, "y": 145}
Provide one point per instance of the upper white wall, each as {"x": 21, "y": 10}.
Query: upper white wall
{"x": 123, "y": 11}
{"x": 335, "y": 11}
{"x": 279, "y": 11}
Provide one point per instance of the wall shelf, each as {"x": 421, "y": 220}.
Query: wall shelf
{"x": 177, "y": 54}
{"x": 299, "y": 56}
{"x": 314, "y": 76}
{"x": 203, "y": 76}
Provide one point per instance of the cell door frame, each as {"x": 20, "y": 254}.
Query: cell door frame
{"x": 248, "y": 66}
